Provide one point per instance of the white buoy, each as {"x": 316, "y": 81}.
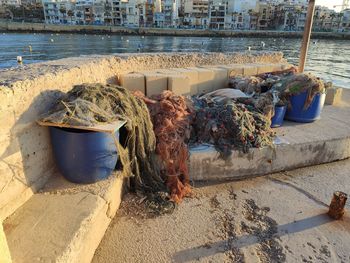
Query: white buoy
{"x": 51, "y": 40}
{"x": 143, "y": 37}
{"x": 127, "y": 40}
{"x": 19, "y": 60}
{"x": 122, "y": 38}
{"x": 102, "y": 38}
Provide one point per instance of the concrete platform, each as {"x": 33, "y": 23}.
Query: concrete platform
{"x": 300, "y": 145}
{"x": 65, "y": 222}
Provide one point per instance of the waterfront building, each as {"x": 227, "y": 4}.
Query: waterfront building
{"x": 196, "y": 13}
{"x": 217, "y": 14}
{"x": 10, "y": 2}
{"x": 59, "y": 11}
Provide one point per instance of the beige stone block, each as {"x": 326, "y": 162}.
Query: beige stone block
{"x": 205, "y": 79}
{"x": 193, "y": 77}
{"x": 334, "y": 96}
{"x": 133, "y": 82}
{"x": 250, "y": 70}
{"x": 285, "y": 66}
{"x": 167, "y": 72}
{"x": 233, "y": 70}
{"x": 57, "y": 228}
{"x": 264, "y": 68}
{"x": 179, "y": 84}
{"x": 4, "y": 250}
{"x": 220, "y": 77}
{"x": 156, "y": 83}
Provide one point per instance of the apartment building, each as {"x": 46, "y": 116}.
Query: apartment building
{"x": 217, "y": 14}
{"x": 59, "y": 11}
{"x": 196, "y": 13}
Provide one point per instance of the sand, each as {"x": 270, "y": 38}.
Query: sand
{"x": 275, "y": 218}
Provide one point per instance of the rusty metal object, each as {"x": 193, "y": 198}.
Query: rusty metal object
{"x": 336, "y": 208}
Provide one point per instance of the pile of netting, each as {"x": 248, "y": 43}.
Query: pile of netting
{"x": 171, "y": 119}
{"x": 230, "y": 126}
{"x": 93, "y": 104}
{"x": 283, "y": 83}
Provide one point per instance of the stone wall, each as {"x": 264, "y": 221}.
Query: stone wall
{"x": 25, "y": 93}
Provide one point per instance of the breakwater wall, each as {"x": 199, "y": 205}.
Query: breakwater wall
{"x": 93, "y": 29}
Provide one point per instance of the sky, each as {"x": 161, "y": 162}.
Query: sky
{"x": 330, "y": 3}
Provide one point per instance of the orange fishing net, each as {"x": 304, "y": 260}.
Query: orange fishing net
{"x": 171, "y": 119}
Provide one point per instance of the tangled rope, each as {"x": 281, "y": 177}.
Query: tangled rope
{"x": 171, "y": 119}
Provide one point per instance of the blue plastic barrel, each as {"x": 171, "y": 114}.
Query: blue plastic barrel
{"x": 277, "y": 119}
{"x": 83, "y": 156}
{"x": 297, "y": 112}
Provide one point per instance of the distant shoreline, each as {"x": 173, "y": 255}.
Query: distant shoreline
{"x": 118, "y": 30}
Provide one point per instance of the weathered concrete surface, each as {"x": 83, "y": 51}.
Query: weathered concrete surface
{"x": 324, "y": 141}
{"x": 25, "y": 93}
{"x": 63, "y": 223}
{"x": 4, "y": 250}
{"x": 94, "y": 29}
{"x": 221, "y": 224}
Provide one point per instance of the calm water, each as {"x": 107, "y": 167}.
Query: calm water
{"x": 329, "y": 59}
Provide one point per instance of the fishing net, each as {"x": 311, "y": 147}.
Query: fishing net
{"x": 283, "y": 83}
{"x": 230, "y": 126}
{"x": 93, "y": 104}
{"x": 299, "y": 83}
{"x": 171, "y": 119}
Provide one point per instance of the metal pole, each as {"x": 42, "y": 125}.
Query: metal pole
{"x": 307, "y": 34}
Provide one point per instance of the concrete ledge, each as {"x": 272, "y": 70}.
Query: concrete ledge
{"x": 324, "y": 141}
{"x": 63, "y": 223}
{"x": 27, "y": 92}
{"x": 334, "y": 96}
{"x": 4, "y": 250}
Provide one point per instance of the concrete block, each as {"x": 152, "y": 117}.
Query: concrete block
{"x": 324, "y": 141}
{"x": 233, "y": 70}
{"x": 205, "y": 79}
{"x": 64, "y": 223}
{"x": 156, "y": 83}
{"x": 193, "y": 77}
{"x": 133, "y": 82}
{"x": 220, "y": 77}
{"x": 179, "y": 84}
{"x": 250, "y": 70}
{"x": 264, "y": 68}
{"x": 334, "y": 96}
{"x": 4, "y": 250}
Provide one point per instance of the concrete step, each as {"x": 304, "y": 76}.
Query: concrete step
{"x": 299, "y": 145}
{"x": 65, "y": 222}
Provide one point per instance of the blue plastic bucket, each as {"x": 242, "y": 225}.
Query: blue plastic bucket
{"x": 298, "y": 114}
{"x": 84, "y": 156}
{"x": 277, "y": 119}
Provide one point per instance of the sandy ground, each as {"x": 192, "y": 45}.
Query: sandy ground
{"x": 276, "y": 218}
